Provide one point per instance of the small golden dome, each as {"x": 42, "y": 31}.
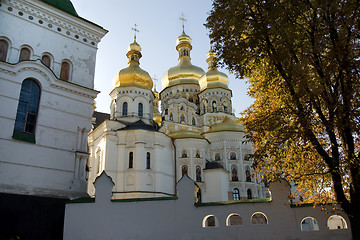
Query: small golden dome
{"x": 226, "y": 125}
{"x": 133, "y": 75}
{"x": 185, "y": 134}
{"x": 213, "y": 78}
{"x": 184, "y": 72}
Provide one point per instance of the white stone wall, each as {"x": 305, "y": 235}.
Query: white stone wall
{"x": 55, "y": 164}
{"x": 180, "y": 219}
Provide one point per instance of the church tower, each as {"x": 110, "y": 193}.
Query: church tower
{"x": 132, "y": 97}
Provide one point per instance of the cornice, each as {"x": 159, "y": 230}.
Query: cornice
{"x": 42, "y": 15}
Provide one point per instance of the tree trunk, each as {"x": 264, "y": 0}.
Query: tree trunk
{"x": 354, "y": 219}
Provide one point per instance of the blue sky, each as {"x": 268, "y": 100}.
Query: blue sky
{"x": 159, "y": 25}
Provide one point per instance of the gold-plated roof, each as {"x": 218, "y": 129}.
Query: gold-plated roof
{"x": 213, "y": 78}
{"x": 133, "y": 75}
{"x": 185, "y": 134}
{"x": 226, "y": 125}
{"x": 156, "y": 112}
{"x": 184, "y": 72}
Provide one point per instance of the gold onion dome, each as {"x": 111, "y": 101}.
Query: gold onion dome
{"x": 213, "y": 78}
{"x": 184, "y": 72}
{"x": 156, "y": 112}
{"x": 226, "y": 125}
{"x": 133, "y": 75}
{"x": 180, "y": 134}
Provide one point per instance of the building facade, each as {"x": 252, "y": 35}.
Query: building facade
{"x": 146, "y": 151}
{"x": 47, "y": 64}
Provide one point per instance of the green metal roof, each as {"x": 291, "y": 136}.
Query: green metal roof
{"x": 64, "y": 5}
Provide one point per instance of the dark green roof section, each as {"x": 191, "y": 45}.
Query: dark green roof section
{"x": 81, "y": 200}
{"x": 64, "y": 5}
{"x": 255, "y": 200}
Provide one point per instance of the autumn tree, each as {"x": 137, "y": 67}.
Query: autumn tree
{"x": 301, "y": 59}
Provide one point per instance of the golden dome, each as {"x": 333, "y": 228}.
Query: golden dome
{"x": 156, "y": 112}
{"x": 213, "y": 78}
{"x": 227, "y": 125}
{"x": 133, "y": 75}
{"x": 184, "y": 72}
{"x": 185, "y": 134}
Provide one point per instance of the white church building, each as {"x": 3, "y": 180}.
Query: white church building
{"x": 146, "y": 152}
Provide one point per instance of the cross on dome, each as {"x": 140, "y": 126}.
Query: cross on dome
{"x": 135, "y": 30}
{"x": 183, "y": 20}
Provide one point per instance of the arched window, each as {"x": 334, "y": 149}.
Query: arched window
{"x": 225, "y": 106}
{"x": 197, "y": 154}
{"x": 27, "y": 111}
{"x": 125, "y": 109}
{"x": 236, "y": 194}
{"x": 184, "y": 154}
{"x": 259, "y": 218}
{"x": 184, "y": 170}
{"x": 4, "y": 46}
{"x": 182, "y": 118}
{"x": 234, "y": 219}
{"x": 193, "y": 121}
{"x": 248, "y": 174}
{"x": 147, "y": 160}
{"x": 131, "y": 159}
{"x": 217, "y": 157}
{"x": 46, "y": 60}
{"x": 309, "y": 224}
{"x": 171, "y": 117}
{"x": 65, "y": 71}
{"x": 198, "y": 173}
{"x": 213, "y": 106}
{"x": 210, "y": 221}
{"x": 182, "y": 108}
{"x": 232, "y": 156}
{"x": 249, "y": 194}
{"x": 234, "y": 173}
{"x": 166, "y": 111}
{"x": 336, "y": 222}
{"x": 204, "y": 108}
{"x": 140, "y": 110}
{"x": 24, "y": 54}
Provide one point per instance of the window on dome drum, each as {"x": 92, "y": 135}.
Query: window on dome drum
{"x": 204, "y": 108}
{"x": 184, "y": 170}
{"x": 46, "y": 60}
{"x": 232, "y": 156}
{"x": 197, "y": 154}
{"x": 236, "y": 194}
{"x": 182, "y": 118}
{"x": 65, "y": 71}
{"x": 171, "y": 117}
{"x": 184, "y": 154}
{"x": 24, "y": 54}
{"x": 213, "y": 105}
{"x": 248, "y": 174}
{"x": 27, "y": 111}
{"x": 210, "y": 221}
{"x": 336, "y": 222}
{"x": 309, "y": 224}
{"x": 125, "y": 109}
{"x": 193, "y": 121}
{"x": 234, "y": 219}
{"x": 234, "y": 173}
{"x": 259, "y": 218}
{"x": 147, "y": 160}
{"x": 131, "y": 159}
{"x": 198, "y": 173}
{"x": 249, "y": 194}
{"x": 140, "y": 110}
{"x": 4, "y": 46}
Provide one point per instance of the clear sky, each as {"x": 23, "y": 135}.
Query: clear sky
{"x": 159, "y": 26}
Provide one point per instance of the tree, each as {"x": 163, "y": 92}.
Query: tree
{"x": 301, "y": 59}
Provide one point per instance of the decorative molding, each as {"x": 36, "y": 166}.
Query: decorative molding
{"x": 53, "y": 22}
